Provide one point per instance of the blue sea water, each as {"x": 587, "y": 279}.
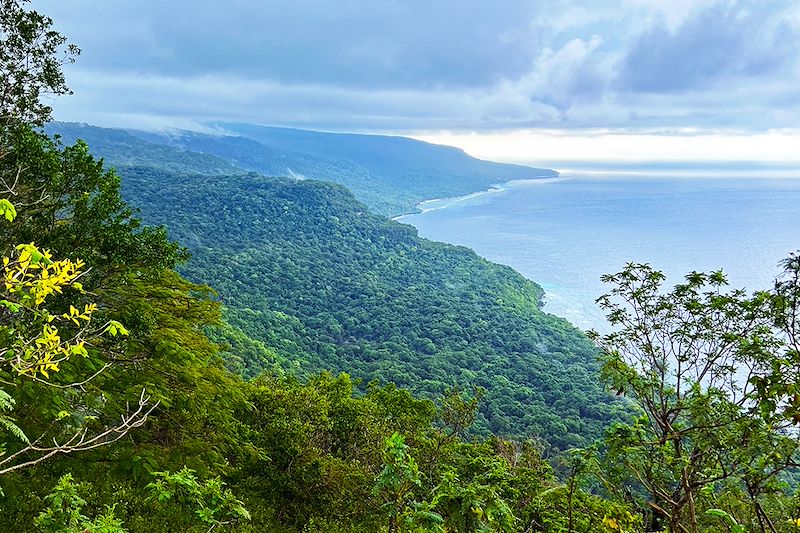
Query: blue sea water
{"x": 565, "y": 232}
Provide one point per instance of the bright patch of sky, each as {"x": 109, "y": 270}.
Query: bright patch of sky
{"x": 563, "y": 147}
{"x": 510, "y": 71}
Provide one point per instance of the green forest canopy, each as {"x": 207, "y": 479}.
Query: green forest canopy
{"x": 277, "y": 454}
{"x": 306, "y": 269}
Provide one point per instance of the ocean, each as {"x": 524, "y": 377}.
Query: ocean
{"x": 564, "y": 233}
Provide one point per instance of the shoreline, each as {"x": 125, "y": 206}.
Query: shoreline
{"x": 449, "y": 201}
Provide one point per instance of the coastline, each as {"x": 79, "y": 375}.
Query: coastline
{"x": 435, "y": 204}
{"x": 607, "y": 219}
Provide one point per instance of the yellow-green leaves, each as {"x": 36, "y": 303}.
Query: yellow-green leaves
{"x": 32, "y": 276}
{"x": 34, "y": 345}
{"x": 7, "y": 210}
{"x": 114, "y": 328}
{"x": 77, "y": 316}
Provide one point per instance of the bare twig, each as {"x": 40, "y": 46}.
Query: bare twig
{"x": 35, "y": 453}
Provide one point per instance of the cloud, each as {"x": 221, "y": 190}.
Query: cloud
{"x": 775, "y": 151}
{"x": 725, "y": 41}
{"x": 395, "y": 43}
{"x": 400, "y": 65}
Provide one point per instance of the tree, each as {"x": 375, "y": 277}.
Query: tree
{"x": 31, "y": 57}
{"x": 211, "y": 503}
{"x": 399, "y": 485}
{"x": 35, "y": 342}
{"x": 65, "y": 512}
{"x": 47, "y": 318}
{"x": 778, "y": 385}
{"x": 577, "y": 462}
{"x": 40, "y": 328}
{"x": 693, "y": 360}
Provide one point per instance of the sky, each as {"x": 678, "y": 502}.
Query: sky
{"x": 504, "y": 79}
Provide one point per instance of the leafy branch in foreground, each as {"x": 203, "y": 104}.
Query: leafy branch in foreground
{"x": 707, "y": 367}
{"x": 213, "y": 504}
{"x": 65, "y": 512}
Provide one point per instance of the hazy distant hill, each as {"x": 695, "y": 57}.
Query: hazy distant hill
{"x": 121, "y": 149}
{"x": 390, "y": 174}
{"x": 410, "y": 170}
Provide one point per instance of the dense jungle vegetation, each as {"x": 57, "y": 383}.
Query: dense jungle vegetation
{"x": 306, "y": 269}
{"x": 119, "y": 410}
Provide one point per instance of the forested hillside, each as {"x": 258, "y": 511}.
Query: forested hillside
{"x": 389, "y": 174}
{"x": 120, "y": 414}
{"x": 305, "y": 268}
{"x": 312, "y": 280}
{"x": 121, "y": 149}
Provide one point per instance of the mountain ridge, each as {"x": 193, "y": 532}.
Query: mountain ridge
{"x": 392, "y": 175}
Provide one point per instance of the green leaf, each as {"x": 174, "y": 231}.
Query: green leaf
{"x": 114, "y": 328}
{"x": 8, "y": 210}
{"x": 735, "y": 527}
{"x": 11, "y": 306}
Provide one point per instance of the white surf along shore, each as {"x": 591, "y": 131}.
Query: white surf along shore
{"x": 435, "y": 204}
{"x": 588, "y": 222}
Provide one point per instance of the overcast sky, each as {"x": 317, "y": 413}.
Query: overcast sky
{"x": 445, "y": 69}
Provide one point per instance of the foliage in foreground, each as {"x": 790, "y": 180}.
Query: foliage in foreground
{"x": 714, "y": 373}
